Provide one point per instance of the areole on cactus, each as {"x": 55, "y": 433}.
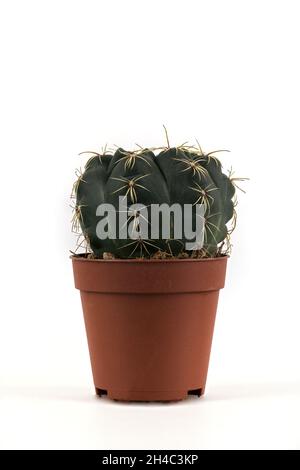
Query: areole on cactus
{"x": 171, "y": 175}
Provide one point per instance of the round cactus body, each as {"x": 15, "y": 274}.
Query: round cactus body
{"x": 177, "y": 175}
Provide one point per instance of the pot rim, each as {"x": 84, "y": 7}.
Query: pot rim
{"x": 135, "y": 276}
{"x": 81, "y": 257}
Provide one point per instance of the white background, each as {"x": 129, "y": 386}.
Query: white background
{"x": 77, "y": 74}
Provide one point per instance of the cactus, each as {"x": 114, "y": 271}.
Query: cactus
{"x": 183, "y": 175}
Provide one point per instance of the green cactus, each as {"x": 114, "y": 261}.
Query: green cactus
{"x": 183, "y": 175}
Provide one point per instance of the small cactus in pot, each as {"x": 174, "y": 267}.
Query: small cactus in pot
{"x": 150, "y": 323}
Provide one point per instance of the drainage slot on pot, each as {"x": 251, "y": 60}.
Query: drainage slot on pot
{"x": 197, "y": 392}
{"x": 100, "y": 392}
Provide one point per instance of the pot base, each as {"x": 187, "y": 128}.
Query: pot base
{"x": 123, "y": 395}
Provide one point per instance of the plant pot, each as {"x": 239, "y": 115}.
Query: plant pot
{"x": 149, "y": 324}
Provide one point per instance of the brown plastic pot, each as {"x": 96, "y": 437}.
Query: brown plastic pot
{"x": 149, "y": 324}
